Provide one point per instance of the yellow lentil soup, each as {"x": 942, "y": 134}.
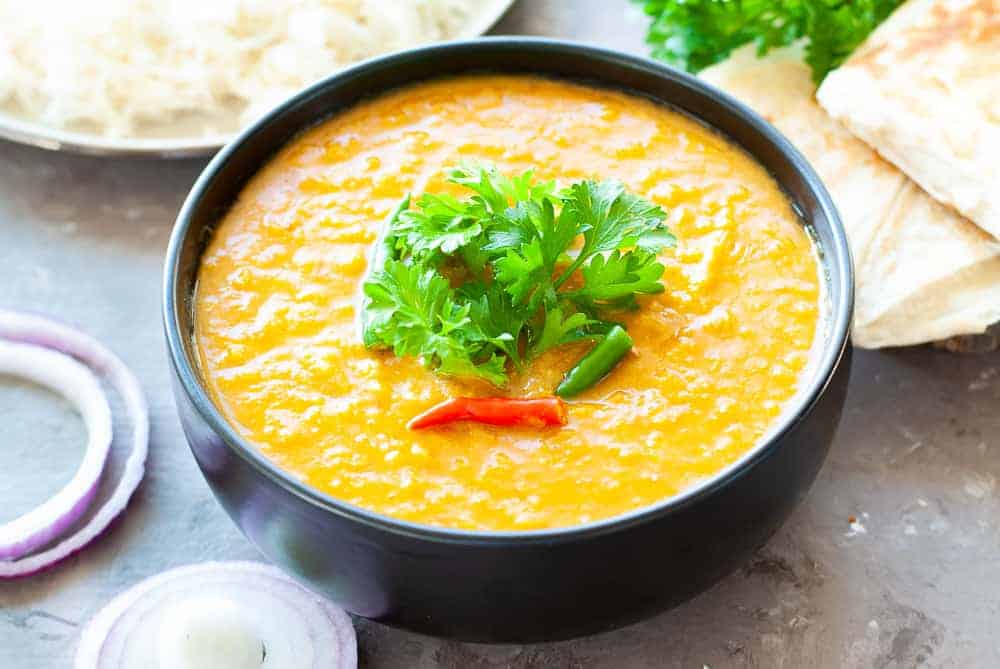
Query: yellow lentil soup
{"x": 717, "y": 357}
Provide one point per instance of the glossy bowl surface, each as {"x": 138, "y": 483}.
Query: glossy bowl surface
{"x": 512, "y": 586}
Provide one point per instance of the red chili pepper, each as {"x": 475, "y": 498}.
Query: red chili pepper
{"x": 537, "y": 411}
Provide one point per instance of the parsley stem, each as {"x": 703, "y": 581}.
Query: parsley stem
{"x": 580, "y": 259}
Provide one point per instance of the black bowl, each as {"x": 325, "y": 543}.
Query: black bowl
{"x": 511, "y": 586}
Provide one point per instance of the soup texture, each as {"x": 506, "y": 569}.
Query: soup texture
{"x": 717, "y": 356}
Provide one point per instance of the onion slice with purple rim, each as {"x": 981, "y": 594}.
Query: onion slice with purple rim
{"x": 18, "y": 328}
{"x": 219, "y": 615}
{"x": 64, "y": 375}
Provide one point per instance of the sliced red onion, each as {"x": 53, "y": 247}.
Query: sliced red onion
{"x": 37, "y": 331}
{"x": 66, "y": 376}
{"x": 219, "y": 615}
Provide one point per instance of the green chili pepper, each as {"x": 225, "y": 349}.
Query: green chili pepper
{"x": 597, "y": 364}
{"x": 383, "y": 249}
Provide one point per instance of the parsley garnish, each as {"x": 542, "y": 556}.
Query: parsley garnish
{"x": 693, "y": 34}
{"x": 518, "y": 267}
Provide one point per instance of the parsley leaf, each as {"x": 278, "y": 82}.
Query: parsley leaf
{"x": 495, "y": 191}
{"x": 522, "y": 271}
{"x": 693, "y": 34}
{"x": 611, "y": 218}
{"x": 501, "y": 321}
{"x": 469, "y": 285}
{"x": 415, "y": 310}
{"x": 559, "y": 329}
{"x": 442, "y": 224}
{"x": 615, "y": 279}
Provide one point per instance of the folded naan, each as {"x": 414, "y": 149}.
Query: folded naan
{"x": 924, "y": 91}
{"x": 923, "y": 272}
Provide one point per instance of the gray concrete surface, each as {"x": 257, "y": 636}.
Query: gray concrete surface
{"x": 915, "y": 582}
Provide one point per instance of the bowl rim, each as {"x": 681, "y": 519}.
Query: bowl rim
{"x": 829, "y": 357}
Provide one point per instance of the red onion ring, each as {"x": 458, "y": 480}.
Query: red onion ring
{"x": 19, "y": 327}
{"x": 136, "y": 628}
{"x": 66, "y": 376}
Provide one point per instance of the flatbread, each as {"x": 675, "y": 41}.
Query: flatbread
{"x": 923, "y": 272}
{"x": 924, "y": 91}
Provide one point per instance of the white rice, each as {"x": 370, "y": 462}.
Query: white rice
{"x": 122, "y": 68}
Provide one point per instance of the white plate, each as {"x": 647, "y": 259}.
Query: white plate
{"x": 55, "y": 139}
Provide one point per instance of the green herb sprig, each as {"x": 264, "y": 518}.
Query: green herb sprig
{"x": 693, "y": 34}
{"x": 473, "y": 286}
